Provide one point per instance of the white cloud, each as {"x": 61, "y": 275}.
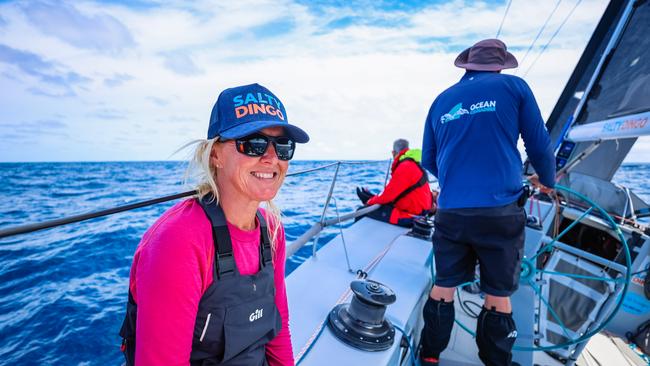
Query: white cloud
{"x": 181, "y": 63}
{"x": 98, "y": 31}
{"x": 355, "y": 85}
{"x": 117, "y": 79}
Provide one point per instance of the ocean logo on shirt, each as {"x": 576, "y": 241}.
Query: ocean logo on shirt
{"x": 454, "y": 113}
{"x": 257, "y": 103}
{"x": 485, "y": 106}
{"x": 458, "y": 110}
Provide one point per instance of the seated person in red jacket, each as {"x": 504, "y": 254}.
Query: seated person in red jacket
{"x": 407, "y": 194}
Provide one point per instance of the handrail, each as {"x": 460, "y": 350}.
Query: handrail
{"x": 325, "y": 206}
{"x": 28, "y": 228}
{"x": 319, "y": 226}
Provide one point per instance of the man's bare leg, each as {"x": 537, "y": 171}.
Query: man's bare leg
{"x": 499, "y": 303}
{"x": 446, "y": 293}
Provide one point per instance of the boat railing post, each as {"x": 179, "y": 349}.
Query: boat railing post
{"x": 345, "y": 247}
{"x": 387, "y": 172}
{"x": 314, "y": 232}
{"x": 327, "y": 202}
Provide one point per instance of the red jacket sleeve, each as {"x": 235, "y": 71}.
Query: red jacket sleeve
{"x": 405, "y": 175}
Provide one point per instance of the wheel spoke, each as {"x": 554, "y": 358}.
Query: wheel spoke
{"x": 538, "y": 291}
{"x": 566, "y": 230}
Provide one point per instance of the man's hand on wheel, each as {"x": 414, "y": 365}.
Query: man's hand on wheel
{"x": 534, "y": 180}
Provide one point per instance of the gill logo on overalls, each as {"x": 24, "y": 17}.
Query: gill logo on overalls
{"x": 256, "y": 315}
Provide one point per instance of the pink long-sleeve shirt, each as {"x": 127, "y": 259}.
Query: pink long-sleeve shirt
{"x": 172, "y": 268}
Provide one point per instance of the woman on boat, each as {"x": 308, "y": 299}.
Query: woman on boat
{"x": 207, "y": 280}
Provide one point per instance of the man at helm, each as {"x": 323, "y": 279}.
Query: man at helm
{"x": 470, "y": 144}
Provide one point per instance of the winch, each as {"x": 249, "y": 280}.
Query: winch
{"x": 361, "y": 322}
{"x": 422, "y": 228}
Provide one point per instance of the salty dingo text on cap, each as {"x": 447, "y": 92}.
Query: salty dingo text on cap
{"x": 255, "y": 104}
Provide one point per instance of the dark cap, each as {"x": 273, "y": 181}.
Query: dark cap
{"x": 486, "y": 55}
{"x": 243, "y": 110}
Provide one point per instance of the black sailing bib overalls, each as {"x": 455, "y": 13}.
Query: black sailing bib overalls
{"x": 237, "y": 315}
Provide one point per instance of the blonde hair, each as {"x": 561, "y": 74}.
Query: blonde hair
{"x": 201, "y": 170}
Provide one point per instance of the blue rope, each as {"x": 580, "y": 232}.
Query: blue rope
{"x": 465, "y": 328}
{"x": 410, "y": 346}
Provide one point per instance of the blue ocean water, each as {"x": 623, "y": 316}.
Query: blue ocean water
{"x": 63, "y": 290}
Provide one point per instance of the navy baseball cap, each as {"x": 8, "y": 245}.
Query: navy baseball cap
{"x": 243, "y": 110}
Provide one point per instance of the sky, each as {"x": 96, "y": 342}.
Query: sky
{"x": 136, "y": 80}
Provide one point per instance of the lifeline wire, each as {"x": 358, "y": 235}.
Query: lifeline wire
{"x": 503, "y": 19}
{"x": 552, "y": 37}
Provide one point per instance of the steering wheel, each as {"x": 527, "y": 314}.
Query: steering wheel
{"x": 533, "y": 272}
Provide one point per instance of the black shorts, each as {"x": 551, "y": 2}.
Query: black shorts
{"x": 493, "y": 236}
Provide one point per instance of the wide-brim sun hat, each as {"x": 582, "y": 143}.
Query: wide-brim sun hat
{"x": 487, "y": 55}
{"x": 246, "y": 109}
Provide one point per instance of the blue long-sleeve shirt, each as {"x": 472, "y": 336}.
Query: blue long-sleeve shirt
{"x": 470, "y": 140}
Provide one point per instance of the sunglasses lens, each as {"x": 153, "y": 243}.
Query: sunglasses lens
{"x": 252, "y": 145}
{"x": 284, "y": 147}
{"x": 256, "y": 145}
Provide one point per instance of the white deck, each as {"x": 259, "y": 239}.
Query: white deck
{"x": 315, "y": 287}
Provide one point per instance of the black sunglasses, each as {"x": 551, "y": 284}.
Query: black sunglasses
{"x": 257, "y": 143}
